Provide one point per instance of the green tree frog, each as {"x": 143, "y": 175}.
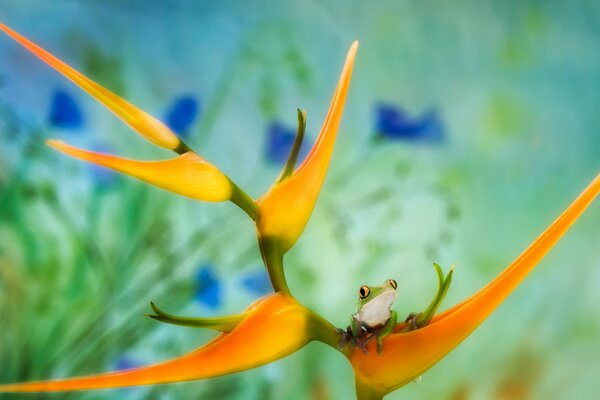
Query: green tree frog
{"x": 374, "y": 317}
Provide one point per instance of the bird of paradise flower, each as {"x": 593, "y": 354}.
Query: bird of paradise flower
{"x": 278, "y": 325}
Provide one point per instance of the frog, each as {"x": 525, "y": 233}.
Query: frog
{"x": 374, "y": 317}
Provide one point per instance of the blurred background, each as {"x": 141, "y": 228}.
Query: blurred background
{"x": 468, "y": 128}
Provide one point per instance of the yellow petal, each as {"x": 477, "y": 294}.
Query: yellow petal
{"x": 284, "y": 210}
{"x": 273, "y": 328}
{"x": 146, "y": 125}
{"x": 407, "y": 355}
{"x": 188, "y": 174}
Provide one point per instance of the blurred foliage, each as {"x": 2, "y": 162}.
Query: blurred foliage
{"x": 514, "y": 90}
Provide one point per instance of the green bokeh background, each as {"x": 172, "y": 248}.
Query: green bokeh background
{"x": 516, "y": 85}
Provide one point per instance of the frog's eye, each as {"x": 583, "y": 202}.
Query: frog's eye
{"x": 364, "y": 291}
{"x": 393, "y": 283}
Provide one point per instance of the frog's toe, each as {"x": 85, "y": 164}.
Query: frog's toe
{"x": 412, "y": 320}
{"x": 361, "y": 343}
{"x": 343, "y": 338}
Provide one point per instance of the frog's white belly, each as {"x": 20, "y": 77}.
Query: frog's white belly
{"x": 377, "y": 312}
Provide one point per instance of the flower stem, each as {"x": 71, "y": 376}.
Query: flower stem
{"x": 322, "y": 330}
{"x": 273, "y": 259}
{"x": 290, "y": 164}
{"x": 243, "y": 201}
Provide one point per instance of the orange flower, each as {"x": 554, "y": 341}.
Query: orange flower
{"x": 284, "y": 210}
{"x": 189, "y": 175}
{"x": 144, "y": 124}
{"x": 408, "y": 355}
{"x": 270, "y": 329}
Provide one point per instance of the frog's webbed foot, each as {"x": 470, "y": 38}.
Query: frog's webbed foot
{"x": 362, "y": 341}
{"x": 419, "y": 320}
{"x": 412, "y": 320}
{"x": 223, "y": 324}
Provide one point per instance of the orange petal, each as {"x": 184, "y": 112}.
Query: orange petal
{"x": 407, "y": 355}
{"x": 144, "y": 124}
{"x": 273, "y": 328}
{"x": 286, "y": 207}
{"x": 188, "y": 175}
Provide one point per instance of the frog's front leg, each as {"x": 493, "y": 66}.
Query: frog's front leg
{"x": 352, "y": 332}
{"x": 360, "y": 338}
{"x": 386, "y": 330}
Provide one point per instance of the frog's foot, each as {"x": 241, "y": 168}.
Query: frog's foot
{"x": 361, "y": 342}
{"x": 412, "y": 320}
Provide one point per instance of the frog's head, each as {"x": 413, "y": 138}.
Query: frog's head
{"x": 381, "y": 297}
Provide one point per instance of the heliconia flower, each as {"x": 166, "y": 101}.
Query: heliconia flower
{"x": 277, "y": 325}
{"x": 64, "y": 112}
{"x": 392, "y": 122}
{"x": 284, "y": 210}
{"x": 182, "y": 114}
{"x": 208, "y": 286}
{"x": 188, "y": 174}
{"x": 407, "y": 355}
{"x": 144, "y": 124}
{"x": 270, "y": 329}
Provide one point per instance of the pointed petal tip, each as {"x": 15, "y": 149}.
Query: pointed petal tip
{"x": 56, "y": 144}
{"x": 420, "y": 349}
{"x": 272, "y": 328}
{"x": 187, "y": 175}
{"x": 144, "y": 124}
{"x": 287, "y": 206}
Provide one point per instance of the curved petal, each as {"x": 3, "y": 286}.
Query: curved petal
{"x": 407, "y": 355}
{"x": 286, "y": 207}
{"x": 144, "y": 124}
{"x": 273, "y": 328}
{"x": 188, "y": 174}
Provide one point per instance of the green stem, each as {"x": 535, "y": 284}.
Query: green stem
{"x": 290, "y": 164}
{"x": 223, "y": 324}
{"x": 243, "y": 201}
{"x": 273, "y": 259}
{"x": 323, "y": 331}
{"x": 238, "y": 196}
{"x": 443, "y": 285}
{"x": 182, "y": 148}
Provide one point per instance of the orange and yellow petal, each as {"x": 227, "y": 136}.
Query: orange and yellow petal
{"x": 285, "y": 209}
{"x": 273, "y": 328}
{"x": 407, "y": 355}
{"x": 188, "y": 174}
{"x": 144, "y": 124}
